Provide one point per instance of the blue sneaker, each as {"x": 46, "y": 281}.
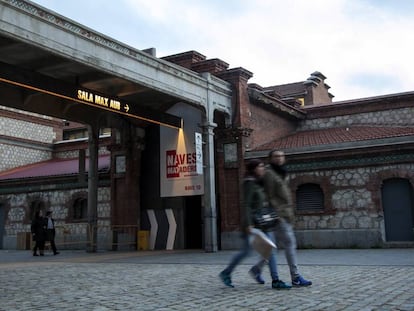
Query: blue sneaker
{"x": 300, "y": 281}
{"x": 255, "y": 273}
{"x": 225, "y": 277}
{"x": 279, "y": 284}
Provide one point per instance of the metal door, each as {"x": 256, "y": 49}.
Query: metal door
{"x": 193, "y": 222}
{"x": 397, "y": 202}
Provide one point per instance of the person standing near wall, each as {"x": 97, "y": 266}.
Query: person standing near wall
{"x": 38, "y": 229}
{"x": 51, "y": 231}
{"x": 279, "y": 195}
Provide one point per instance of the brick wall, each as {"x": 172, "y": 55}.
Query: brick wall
{"x": 267, "y": 126}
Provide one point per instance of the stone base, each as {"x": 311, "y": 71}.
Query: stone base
{"x": 231, "y": 240}
{"x": 349, "y": 238}
{"x": 10, "y": 242}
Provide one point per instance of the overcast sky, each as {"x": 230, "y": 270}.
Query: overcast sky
{"x": 364, "y": 47}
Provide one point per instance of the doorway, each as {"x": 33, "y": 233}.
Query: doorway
{"x": 397, "y": 202}
{"x": 193, "y": 222}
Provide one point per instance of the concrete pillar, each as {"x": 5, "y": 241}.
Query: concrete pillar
{"x": 93, "y": 188}
{"x": 82, "y": 170}
{"x": 210, "y": 212}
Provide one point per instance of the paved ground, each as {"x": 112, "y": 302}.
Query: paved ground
{"x": 374, "y": 279}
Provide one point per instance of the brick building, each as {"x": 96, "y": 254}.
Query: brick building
{"x": 348, "y": 161}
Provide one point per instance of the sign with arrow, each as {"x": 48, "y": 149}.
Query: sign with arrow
{"x": 101, "y": 101}
{"x": 44, "y": 84}
{"x": 92, "y": 98}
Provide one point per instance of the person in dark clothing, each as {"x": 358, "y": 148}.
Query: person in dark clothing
{"x": 38, "y": 229}
{"x": 51, "y": 231}
{"x": 254, "y": 199}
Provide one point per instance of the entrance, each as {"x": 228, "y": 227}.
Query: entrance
{"x": 397, "y": 202}
{"x": 193, "y": 222}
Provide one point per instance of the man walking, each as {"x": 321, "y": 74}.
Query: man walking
{"x": 38, "y": 229}
{"x": 279, "y": 196}
{"x": 51, "y": 232}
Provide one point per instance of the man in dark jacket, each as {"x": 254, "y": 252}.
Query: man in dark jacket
{"x": 253, "y": 200}
{"x": 38, "y": 229}
{"x": 51, "y": 231}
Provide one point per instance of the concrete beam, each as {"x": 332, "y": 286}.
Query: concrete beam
{"x": 37, "y": 26}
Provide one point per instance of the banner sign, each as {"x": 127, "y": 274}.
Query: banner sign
{"x": 181, "y": 155}
{"x": 199, "y": 153}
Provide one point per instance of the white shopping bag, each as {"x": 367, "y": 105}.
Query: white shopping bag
{"x": 261, "y": 243}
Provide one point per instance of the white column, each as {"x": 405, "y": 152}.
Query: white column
{"x": 210, "y": 213}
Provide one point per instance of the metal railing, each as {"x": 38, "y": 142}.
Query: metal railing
{"x": 79, "y": 236}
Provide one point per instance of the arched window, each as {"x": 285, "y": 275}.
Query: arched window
{"x": 80, "y": 209}
{"x": 309, "y": 197}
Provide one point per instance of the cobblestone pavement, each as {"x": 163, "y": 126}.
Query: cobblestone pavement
{"x": 188, "y": 280}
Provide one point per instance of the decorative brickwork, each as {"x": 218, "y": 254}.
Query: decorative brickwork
{"x": 15, "y": 156}
{"x": 72, "y": 154}
{"x": 26, "y": 138}
{"x": 395, "y": 117}
{"x": 26, "y": 130}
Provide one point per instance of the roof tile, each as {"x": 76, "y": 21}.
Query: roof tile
{"x": 335, "y": 136}
{"x": 52, "y": 167}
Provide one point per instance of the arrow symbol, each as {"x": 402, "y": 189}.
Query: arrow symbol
{"x": 126, "y": 108}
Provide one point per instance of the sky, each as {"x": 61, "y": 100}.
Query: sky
{"x": 363, "y": 47}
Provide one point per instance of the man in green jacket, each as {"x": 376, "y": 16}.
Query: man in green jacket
{"x": 279, "y": 196}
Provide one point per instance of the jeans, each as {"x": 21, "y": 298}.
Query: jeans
{"x": 286, "y": 238}
{"x": 257, "y": 268}
{"x": 244, "y": 252}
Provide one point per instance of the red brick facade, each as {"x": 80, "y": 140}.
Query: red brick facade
{"x": 332, "y": 145}
{"x": 348, "y": 149}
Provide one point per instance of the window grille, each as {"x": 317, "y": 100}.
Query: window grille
{"x": 309, "y": 197}
{"x": 80, "y": 209}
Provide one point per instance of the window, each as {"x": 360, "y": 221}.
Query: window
{"x": 75, "y": 134}
{"x": 106, "y": 131}
{"x": 309, "y": 197}
{"x": 80, "y": 209}
{"x": 82, "y": 133}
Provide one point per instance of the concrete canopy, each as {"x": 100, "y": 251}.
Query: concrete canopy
{"x": 45, "y": 50}
{"x": 46, "y": 59}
